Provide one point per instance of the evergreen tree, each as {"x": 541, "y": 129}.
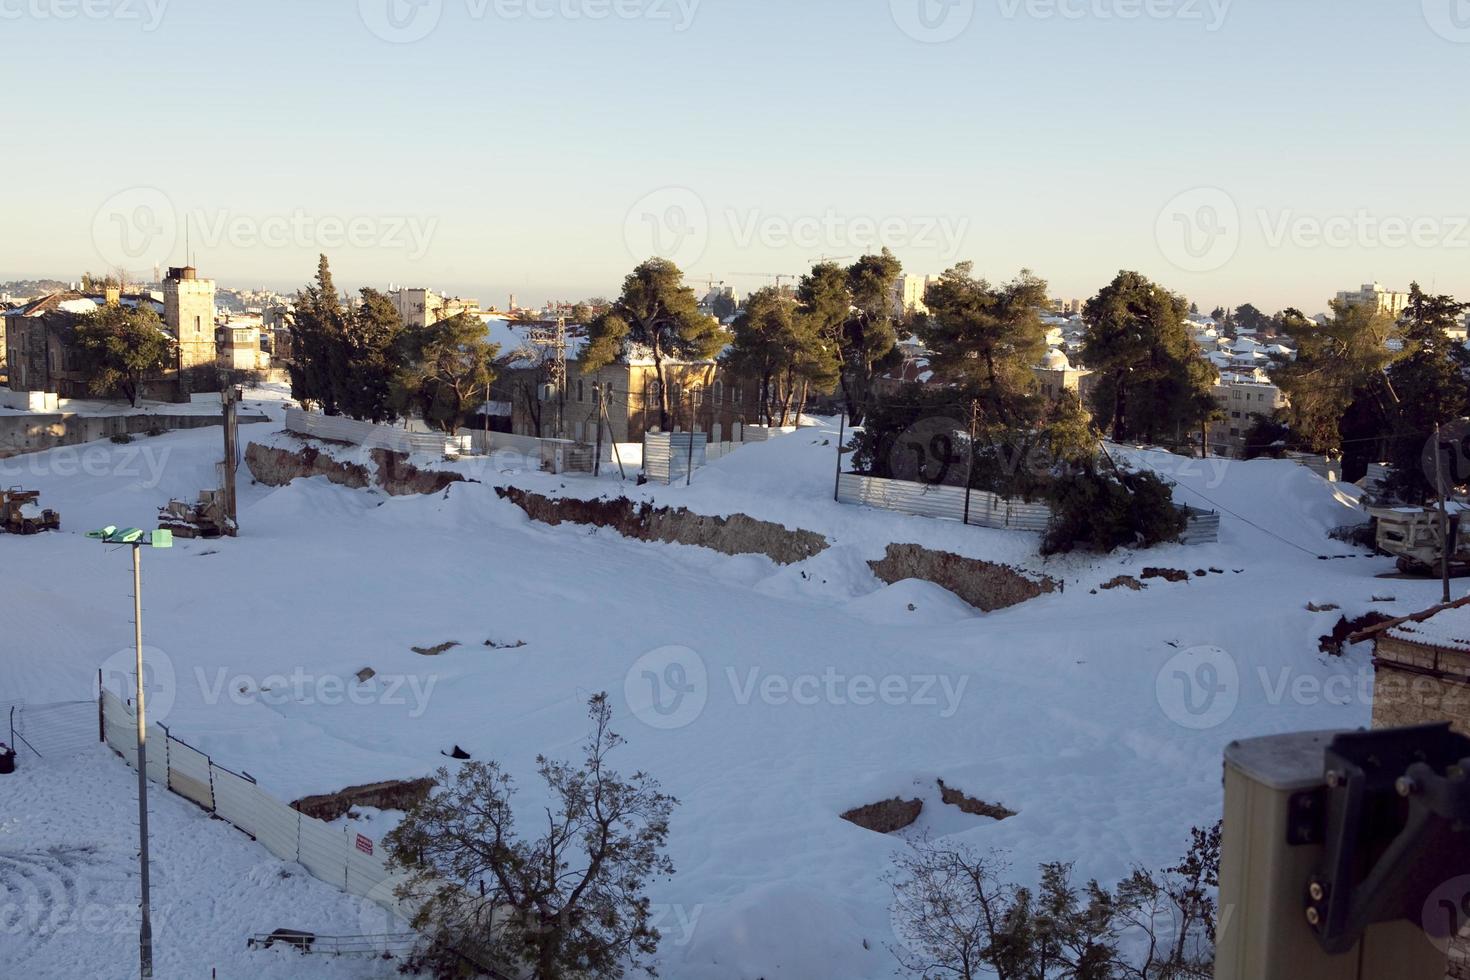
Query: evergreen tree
{"x": 776, "y": 345}
{"x": 1247, "y": 317}
{"x": 658, "y": 315}
{"x": 448, "y": 367}
{"x": 1429, "y": 381}
{"x": 121, "y": 347}
{"x": 1152, "y": 381}
{"x": 991, "y": 337}
{"x": 318, "y": 326}
{"x": 1337, "y": 386}
{"x": 371, "y": 355}
{"x": 853, "y": 310}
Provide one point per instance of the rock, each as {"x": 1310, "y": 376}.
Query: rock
{"x": 458, "y": 753}
{"x": 1124, "y": 582}
{"x": 365, "y": 675}
{"x": 1167, "y": 574}
{"x": 388, "y": 795}
{"x": 436, "y": 650}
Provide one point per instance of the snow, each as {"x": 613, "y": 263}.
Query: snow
{"x": 1067, "y": 708}
{"x": 1448, "y": 629}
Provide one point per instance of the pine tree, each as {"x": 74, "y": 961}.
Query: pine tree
{"x": 853, "y": 310}
{"x": 658, "y": 316}
{"x": 1152, "y": 381}
{"x": 1429, "y": 382}
{"x": 991, "y": 337}
{"x": 778, "y": 346}
{"x": 370, "y": 356}
{"x": 448, "y": 365}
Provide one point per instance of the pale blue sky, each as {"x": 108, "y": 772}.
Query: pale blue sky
{"x": 505, "y": 152}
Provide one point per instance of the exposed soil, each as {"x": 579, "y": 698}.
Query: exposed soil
{"x": 389, "y": 795}
{"x": 733, "y": 535}
{"x": 984, "y": 585}
{"x": 435, "y": 651}
{"x": 275, "y": 467}
{"x": 1124, "y": 582}
{"x": 887, "y": 816}
{"x": 1332, "y": 643}
{"x": 968, "y": 804}
{"x": 1167, "y": 574}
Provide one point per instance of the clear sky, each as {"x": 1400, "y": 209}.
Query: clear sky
{"x": 1271, "y": 151}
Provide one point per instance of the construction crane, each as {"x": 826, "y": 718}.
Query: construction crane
{"x": 777, "y": 276}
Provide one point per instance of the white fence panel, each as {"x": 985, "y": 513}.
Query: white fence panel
{"x": 280, "y": 826}
{"x": 188, "y": 773}
{"x": 368, "y": 435}
{"x": 323, "y": 851}
{"x": 945, "y": 502}
{"x": 237, "y": 800}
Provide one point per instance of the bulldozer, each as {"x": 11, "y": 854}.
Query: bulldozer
{"x": 1414, "y": 536}
{"x": 205, "y": 519}
{"x": 21, "y": 513}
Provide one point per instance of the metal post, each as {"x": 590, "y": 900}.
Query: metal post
{"x": 689, "y": 477}
{"x": 597, "y": 454}
{"x": 145, "y": 931}
{"x": 841, "y": 434}
{"x": 1446, "y": 545}
{"x": 970, "y": 467}
{"x": 231, "y": 397}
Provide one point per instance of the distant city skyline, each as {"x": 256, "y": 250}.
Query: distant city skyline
{"x": 487, "y": 147}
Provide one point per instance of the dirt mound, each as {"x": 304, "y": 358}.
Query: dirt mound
{"x": 276, "y": 466}
{"x": 984, "y": 585}
{"x": 733, "y": 535}
{"x": 887, "y": 816}
{"x": 389, "y": 795}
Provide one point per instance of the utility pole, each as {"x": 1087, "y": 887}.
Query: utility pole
{"x": 1446, "y": 546}
{"x": 554, "y": 343}
{"x": 970, "y": 467}
{"x": 230, "y": 398}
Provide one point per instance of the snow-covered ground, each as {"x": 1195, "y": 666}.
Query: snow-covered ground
{"x": 785, "y": 695}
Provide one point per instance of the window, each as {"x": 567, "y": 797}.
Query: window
{"x": 581, "y": 391}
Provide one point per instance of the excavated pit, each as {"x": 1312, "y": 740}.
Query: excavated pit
{"x": 985, "y": 585}
{"x": 733, "y": 535}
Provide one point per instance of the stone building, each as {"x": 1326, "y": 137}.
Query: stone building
{"x": 188, "y": 312}
{"x": 1421, "y": 668}
{"x": 421, "y": 307}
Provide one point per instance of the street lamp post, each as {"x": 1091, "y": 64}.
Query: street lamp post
{"x": 136, "y": 539}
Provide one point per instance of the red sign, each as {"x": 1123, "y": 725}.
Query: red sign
{"x": 364, "y": 844}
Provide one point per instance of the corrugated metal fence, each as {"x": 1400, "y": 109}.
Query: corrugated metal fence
{"x": 985, "y": 509}
{"x": 666, "y": 455}
{"x": 372, "y": 436}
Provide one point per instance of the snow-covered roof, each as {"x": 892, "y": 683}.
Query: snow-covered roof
{"x": 1448, "y": 629}
{"x": 1055, "y": 360}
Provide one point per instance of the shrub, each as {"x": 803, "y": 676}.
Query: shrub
{"x": 121, "y": 438}
{"x": 1100, "y": 512}
{"x": 955, "y": 917}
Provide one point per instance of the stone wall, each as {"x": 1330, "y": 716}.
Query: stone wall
{"x": 1418, "y": 685}
{"x": 33, "y": 433}
{"x": 733, "y": 535}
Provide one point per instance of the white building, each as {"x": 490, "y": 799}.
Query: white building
{"x": 1374, "y": 294}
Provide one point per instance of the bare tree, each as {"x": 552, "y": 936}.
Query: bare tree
{"x": 570, "y": 903}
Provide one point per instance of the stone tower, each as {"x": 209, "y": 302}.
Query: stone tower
{"x": 188, "y": 311}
